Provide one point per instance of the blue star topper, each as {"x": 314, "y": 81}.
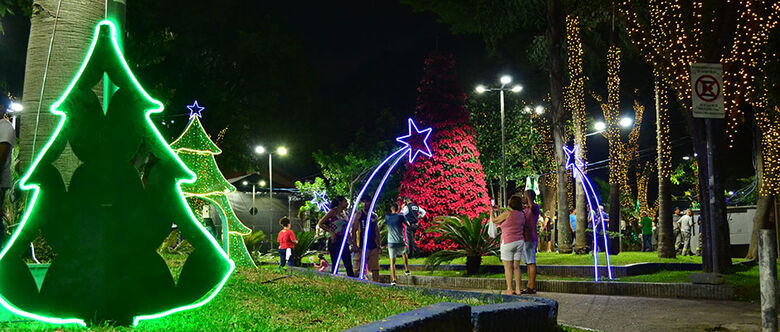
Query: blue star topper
{"x": 415, "y": 140}
{"x": 195, "y": 109}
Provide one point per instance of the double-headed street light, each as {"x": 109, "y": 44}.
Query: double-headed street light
{"x": 624, "y": 122}
{"x": 505, "y": 80}
{"x": 282, "y": 151}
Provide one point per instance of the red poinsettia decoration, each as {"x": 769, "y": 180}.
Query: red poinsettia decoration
{"x": 451, "y": 182}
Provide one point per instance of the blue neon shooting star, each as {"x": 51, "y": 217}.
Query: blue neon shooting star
{"x": 321, "y": 201}
{"x": 575, "y": 164}
{"x": 415, "y": 143}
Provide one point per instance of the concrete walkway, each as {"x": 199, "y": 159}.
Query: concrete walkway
{"x": 627, "y": 313}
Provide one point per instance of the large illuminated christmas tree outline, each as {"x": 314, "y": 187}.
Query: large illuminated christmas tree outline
{"x": 106, "y": 224}
{"x": 197, "y": 151}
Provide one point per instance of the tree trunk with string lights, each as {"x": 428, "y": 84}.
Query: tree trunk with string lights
{"x": 74, "y": 30}
{"x": 612, "y": 134}
{"x": 666, "y": 239}
{"x": 575, "y": 103}
{"x": 555, "y": 30}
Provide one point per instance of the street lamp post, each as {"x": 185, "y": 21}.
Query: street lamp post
{"x": 505, "y": 80}
{"x": 282, "y": 151}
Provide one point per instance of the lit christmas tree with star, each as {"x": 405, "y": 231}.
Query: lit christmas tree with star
{"x": 197, "y": 151}
{"x": 451, "y": 182}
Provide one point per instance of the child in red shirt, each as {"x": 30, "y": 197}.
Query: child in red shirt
{"x": 287, "y": 241}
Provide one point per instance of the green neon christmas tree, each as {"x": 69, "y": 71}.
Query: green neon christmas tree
{"x": 197, "y": 151}
{"x": 107, "y": 222}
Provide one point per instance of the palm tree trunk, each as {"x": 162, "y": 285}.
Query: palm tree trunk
{"x": 472, "y": 264}
{"x": 75, "y": 26}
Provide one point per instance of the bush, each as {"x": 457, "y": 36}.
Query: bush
{"x": 469, "y": 235}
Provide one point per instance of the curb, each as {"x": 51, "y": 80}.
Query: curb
{"x": 664, "y": 290}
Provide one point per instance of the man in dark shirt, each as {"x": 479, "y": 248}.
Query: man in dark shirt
{"x": 412, "y": 213}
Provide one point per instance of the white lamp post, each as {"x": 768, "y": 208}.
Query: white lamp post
{"x": 505, "y": 80}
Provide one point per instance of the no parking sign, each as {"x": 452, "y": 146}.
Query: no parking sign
{"x": 707, "y": 90}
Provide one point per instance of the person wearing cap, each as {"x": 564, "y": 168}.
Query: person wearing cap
{"x": 7, "y": 141}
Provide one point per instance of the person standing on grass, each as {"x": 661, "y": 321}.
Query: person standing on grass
{"x": 573, "y": 222}
{"x": 373, "y": 246}
{"x": 335, "y": 223}
{"x": 512, "y": 223}
{"x": 396, "y": 243}
{"x": 686, "y": 225}
{"x": 548, "y": 228}
{"x": 676, "y": 226}
{"x": 413, "y": 214}
{"x": 531, "y": 238}
{"x": 647, "y": 232}
{"x": 287, "y": 241}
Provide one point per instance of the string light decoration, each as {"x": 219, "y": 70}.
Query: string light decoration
{"x": 611, "y": 110}
{"x": 643, "y": 178}
{"x": 621, "y": 154}
{"x": 672, "y": 40}
{"x": 664, "y": 147}
{"x": 574, "y": 94}
{"x": 197, "y": 151}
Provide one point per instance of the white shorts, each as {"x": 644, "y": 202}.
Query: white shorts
{"x": 512, "y": 251}
{"x": 529, "y": 252}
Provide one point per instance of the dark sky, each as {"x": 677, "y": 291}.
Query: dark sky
{"x": 367, "y": 56}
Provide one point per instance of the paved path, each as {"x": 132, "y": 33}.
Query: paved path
{"x": 626, "y": 313}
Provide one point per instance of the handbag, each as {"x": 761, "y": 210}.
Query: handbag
{"x": 492, "y": 229}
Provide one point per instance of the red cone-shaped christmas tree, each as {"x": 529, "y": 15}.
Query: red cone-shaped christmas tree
{"x": 451, "y": 182}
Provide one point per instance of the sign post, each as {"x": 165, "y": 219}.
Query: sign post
{"x": 707, "y": 102}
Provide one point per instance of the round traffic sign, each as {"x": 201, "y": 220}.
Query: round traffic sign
{"x": 707, "y": 88}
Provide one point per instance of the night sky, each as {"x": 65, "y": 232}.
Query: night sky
{"x": 366, "y": 57}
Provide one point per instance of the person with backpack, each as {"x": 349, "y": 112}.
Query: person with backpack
{"x": 413, "y": 214}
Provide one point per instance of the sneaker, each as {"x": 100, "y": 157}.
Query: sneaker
{"x": 393, "y": 283}
{"x": 408, "y": 273}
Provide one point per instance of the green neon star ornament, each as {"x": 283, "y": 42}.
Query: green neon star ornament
{"x": 105, "y": 225}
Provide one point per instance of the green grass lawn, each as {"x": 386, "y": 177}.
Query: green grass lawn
{"x": 252, "y": 300}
